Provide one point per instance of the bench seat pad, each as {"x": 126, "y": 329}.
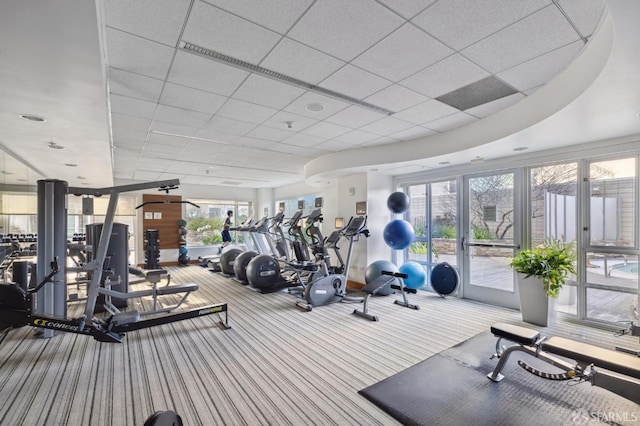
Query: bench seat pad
{"x": 515, "y": 333}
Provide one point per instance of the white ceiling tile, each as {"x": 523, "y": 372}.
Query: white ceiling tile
{"x": 514, "y": 44}
{"x": 270, "y": 133}
{"x": 129, "y": 122}
{"x": 585, "y": 14}
{"x": 356, "y": 137}
{"x": 407, "y": 8}
{"x": 159, "y": 138}
{"x": 226, "y": 125}
{"x": 300, "y": 150}
{"x": 460, "y": 23}
{"x": 176, "y": 129}
{"x": 200, "y": 73}
{"x": 181, "y": 116}
{"x": 396, "y": 98}
{"x": 133, "y": 85}
{"x": 296, "y": 60}
{"x": 489, "y": 108}
{"x": 449, "y": 74}
{"x": 344, "y": 29}
{"x": 396, "y": 57}
{"x": 542, "y": 69}
{"x": 412, "y": 133}
{"x": 298, "y": 122}
{"x": 449, "y": 122}
{"x": 325, "y": 130}
{"x": 354, "y": 82}
{"x": 277, "y": 15}
{"x": 427, "y": 111}
{"x": 146, "y": 176}
{"x": 331, "y": 106}
{"x": 153, "y": 147}
{"x": 138, "y": 55}
{"x": 300, "y": 139}
{"x": 131, "y": 106}
{"x": 383, "y": 141}
{"x": 354, "y": 117}
{"x": 386, "y": 126}
{"x": 158, "y": 20}
{"x": 245, "y": 111}
{"x": 215, "y": 29}
{"x": 334, "y": 146}
{"x": 193, "y": 99}
{"x": 268, "y": 92}
{"x": 127, "y": 135}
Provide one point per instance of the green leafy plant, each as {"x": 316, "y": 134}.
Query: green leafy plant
{"x": 552, "y": 262}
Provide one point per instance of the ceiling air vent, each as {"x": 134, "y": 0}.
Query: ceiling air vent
{"x": 478, "y": 93}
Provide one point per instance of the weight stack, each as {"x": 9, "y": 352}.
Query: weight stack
{"x": 152, "y": 249}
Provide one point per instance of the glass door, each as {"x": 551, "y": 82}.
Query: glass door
{"x": 491, "y": 236}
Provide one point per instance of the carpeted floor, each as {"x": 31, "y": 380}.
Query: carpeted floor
{"x": 451, "y": 388}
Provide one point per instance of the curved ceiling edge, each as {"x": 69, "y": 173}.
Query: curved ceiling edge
{"x": 543, "y": 103}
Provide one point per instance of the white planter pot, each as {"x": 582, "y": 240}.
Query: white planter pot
{"x": 535, "y": 306}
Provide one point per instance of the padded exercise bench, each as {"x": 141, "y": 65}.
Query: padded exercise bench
{"x": 616, "y": 371}
{"x": 386, "y": 280}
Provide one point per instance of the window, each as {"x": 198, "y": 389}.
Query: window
{"x": 204, "y": 224}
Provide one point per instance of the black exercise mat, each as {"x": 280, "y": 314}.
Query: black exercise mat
{"x": 452, "y": 388}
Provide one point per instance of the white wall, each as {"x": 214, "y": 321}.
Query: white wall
{"x": 265, "y": 201}
{"x": 353, "y": 189}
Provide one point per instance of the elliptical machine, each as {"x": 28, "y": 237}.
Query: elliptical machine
{"x": 326, "y": 287}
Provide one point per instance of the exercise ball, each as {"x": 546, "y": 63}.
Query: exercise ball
{"x": 182, "y": 231}
{"x": 374, "y": 271}
{"x": 416, "y": 275}
{"x": 184, "y": 259}
{"x": 183, "y": 250}
{"x": 398, "y": 234}
{"x": 398, "y": 202}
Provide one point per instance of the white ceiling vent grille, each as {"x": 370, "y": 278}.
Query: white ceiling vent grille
{"x": 246, "y": 66}
{"x": 478, "y": 93}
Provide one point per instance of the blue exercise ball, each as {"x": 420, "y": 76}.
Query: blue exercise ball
{"x": 374, "y": 270}
{"x": 399, "y": 234}
{"x": 416, "y": 275}
{"x": 183, "y": 250}
{"x": 398, "y": 202}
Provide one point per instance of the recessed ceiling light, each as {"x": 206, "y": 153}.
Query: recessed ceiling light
{"x": 521, "y": 148}
{"x": 6, "y": 173}
{"x": 476, "y": 160}
{"x": 22, "y": 180}
{"x": 80, "y": 177}
{"x": 373, "y": 170}
{"x": 314, "y": 107}
{"x": 32, "y": 118}
{"x": 70, "y": 165}
{"x": 443, "y": 162}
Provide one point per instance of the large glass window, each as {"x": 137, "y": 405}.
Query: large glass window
{"x": 204, "y": 223}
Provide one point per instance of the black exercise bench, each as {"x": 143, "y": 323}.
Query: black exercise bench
{"x": 616, "y": 371}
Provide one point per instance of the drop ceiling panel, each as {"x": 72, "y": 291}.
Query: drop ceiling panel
{"x": 515, "y": 44}
{"x": 449, "y": 122}
{"x": 396, "y": 98}
{"x": 325, "y": 130}
{"x": 331, "y": 106}
{"x": 181, "y": 116}
{"x": 266, "y": 91}
{"x": 134, "y": 85}
{"x": 130, "y": 122}
{"x": 131, "y": 106}
{"x": 193, "y": 99}
{"x": 354, "y": 82}
{"x": 412, "y": 133}
{"x": 541, "y": 69}
{"x": 127, "y": 135}
{"x": 487, "y": 109}
{"x": 158, "y": 20}
{"x": 449, "y": 74}
{"x": 386, "y": 126}
{"x": 138, "y": 55}
{"x": 355, "y": 117}
{"x": 153, "y": 147}
{"x": 344, "y": 29}
{"x": 396, "y": 57}
{"x": 277, "y": 15}
{"x": 215, "y": 29}
{"x": 426, "y": 111}
{"x": 226, "y": 125}
{"x": 356, "y": 137}
{"x": 270, "y": 133}
{"x": 246, "y": 111}
{"x": 585, "y": 14}
{"x": 334, "y": 146}
{"x": 177, "y": 129}
{"x": 198, "y": 72}
{"x": 146, "y": 176}
{"x": 407, "y": 8}
{"x": 303, "y": 140}
{"x": 460, "y": 23}
{"x": 296, "y": 60}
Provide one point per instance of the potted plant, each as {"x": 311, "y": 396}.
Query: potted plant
{"x": 542, "y": 271}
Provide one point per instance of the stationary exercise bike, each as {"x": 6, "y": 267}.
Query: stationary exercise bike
{"x": 325, "y": 287}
